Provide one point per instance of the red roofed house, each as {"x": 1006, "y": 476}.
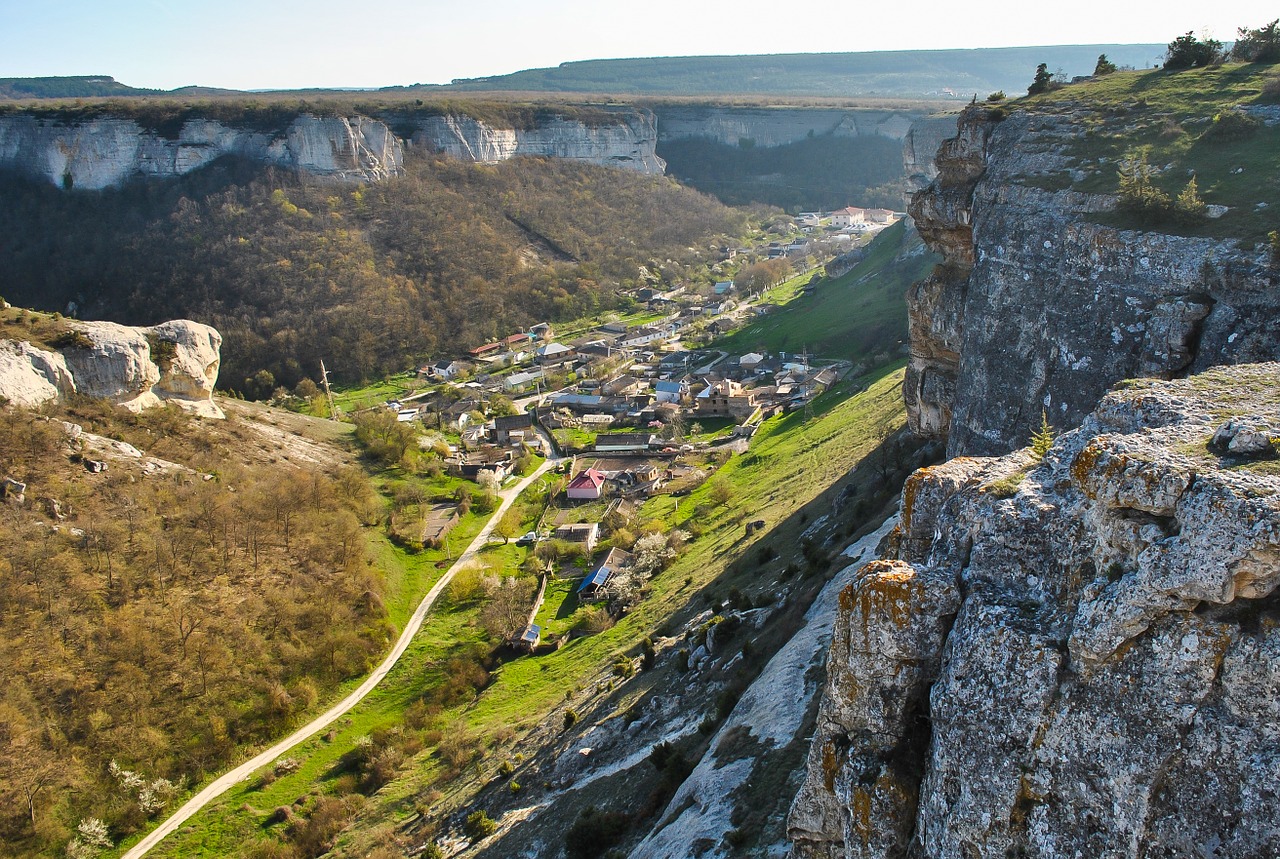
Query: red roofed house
{"x": 587, "y": 486}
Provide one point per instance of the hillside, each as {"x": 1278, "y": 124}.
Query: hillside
{"x": 369, "y": 278}
{"x": 884, "y": 74}
{"x": 175, "y": 590}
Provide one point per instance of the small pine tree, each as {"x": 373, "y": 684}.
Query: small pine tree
{"x": 1104, "y": 66}
{"x": 1042, "y": 439}
{"x": 1190, "y": 208}
{"x": 1042, "y": 80}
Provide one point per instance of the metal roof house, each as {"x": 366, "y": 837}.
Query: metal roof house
{"x": 595, "y": 581}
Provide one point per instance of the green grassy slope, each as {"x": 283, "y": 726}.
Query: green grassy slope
{"x": 1178, "y": 116}
{"x": 852, "y": 317}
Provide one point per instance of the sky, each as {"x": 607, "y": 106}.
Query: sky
{"x": 290, "y": 44}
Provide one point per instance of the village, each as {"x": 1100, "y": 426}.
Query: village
{"x": 633, "y": 410}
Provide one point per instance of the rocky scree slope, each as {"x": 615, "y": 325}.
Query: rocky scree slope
{"x": 1041, "y": 303}
{"x": 138, "y": 368}
{"x": 1076, "y": 656}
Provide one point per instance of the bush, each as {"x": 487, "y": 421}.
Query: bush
{"x": 1188, "y": 52}
{"x": 1104, "y": 66}
{"x": 479, "y": 826}
{"x": 594, "y": 833}
{"x": 998, "y": 95}
{"x": 570, "y": 719}
{"x": 1258, "y": 46}
{"x": 1041, "y": 81}
{"x": 1230, "y": 125}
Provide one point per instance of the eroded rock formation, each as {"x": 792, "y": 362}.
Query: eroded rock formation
{"x": 628, "y": 140}
{"x": 138, "y": 368}
{"x": 105, "y": 152}
{"x": 1038, "y": 305}
{"x": 1074, "y": 656}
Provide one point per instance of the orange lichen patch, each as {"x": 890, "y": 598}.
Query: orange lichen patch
{"x": 888, "y": 590}
{"x": 1085, "y": 465}
{"x": 860, "y": 814}
{"x": 829, "y": 765}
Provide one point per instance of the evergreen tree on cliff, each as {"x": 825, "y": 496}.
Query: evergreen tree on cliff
{"x": 1042, "y": 80}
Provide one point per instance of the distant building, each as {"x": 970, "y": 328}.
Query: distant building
{"x": 723, "y": 286}
{"x": 879, "y": 216}
{"x": 847, "y": 217}
{"x": 585, "y": 534}
{"x": 624, "y": 442}
{"x": 517, "y": 381}
{"x": 505, "y": 425}
{"x": 725, "y": 398}
{"x": 438, "y": 522}
{"x": 594, "y": 583}
{"x": 587, "y": 486}
{"x": 486, "y": 349}
{"x": 670, "y": 391}
{"x": 553, "y": 353}
{"x": 528, "y": 638}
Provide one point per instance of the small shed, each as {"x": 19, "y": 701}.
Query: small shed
{"x": 528, "y": 638}
{"x": 594, "y": 583}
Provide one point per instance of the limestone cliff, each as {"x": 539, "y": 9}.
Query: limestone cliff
{"x": 138, "y": 368}
{"x": 1070, "y": 656}
{"x": 1038, "y": 303}
{"x": 776, "y": 126}
{"x": 105, "y": 152}
{"x": 628, "y": 139}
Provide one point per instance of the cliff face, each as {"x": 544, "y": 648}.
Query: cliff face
{"x": 106, "y": 152}
{"x": 766, "y": 126}
{"x": 1074, "y": 656}
{"x": 628, "y": 141}
{"x": 920, "y": 147}
{"x": 1037, "y": 306}
{"x": 138, "y": 368}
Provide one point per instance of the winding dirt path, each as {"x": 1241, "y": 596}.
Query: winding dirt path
{"x": 224, "y": 782}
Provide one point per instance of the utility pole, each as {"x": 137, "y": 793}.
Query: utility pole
{"x": 328, "y": 392}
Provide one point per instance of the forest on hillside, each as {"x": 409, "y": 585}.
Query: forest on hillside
{"x": 370, "y": 278}
{"x": 155, "y": 623}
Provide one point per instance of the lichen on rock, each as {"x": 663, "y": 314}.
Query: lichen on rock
{"x": 1109, "y": 685}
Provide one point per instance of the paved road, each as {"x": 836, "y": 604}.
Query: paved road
{"x": 224, "y": 782}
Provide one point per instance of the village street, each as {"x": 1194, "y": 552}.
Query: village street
{"x": 224, "y": 782}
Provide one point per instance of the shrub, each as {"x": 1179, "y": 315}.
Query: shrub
{"x": 479, "y": 826}
{"x": 1230, "y": 125}
{"x": 1104, "y": 66}
{"x": 998, "y": 95}
{"x": 1041, "y": 81}
{"x": 1042, "y": 439}
{"x": 570, "y": 719}
{"x": 594, "y": 833}
{"x": 1188, "y": 52}
{"x": 1258, "y": 46}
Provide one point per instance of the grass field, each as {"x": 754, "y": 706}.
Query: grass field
{"x": 1177, "y": 116}
{"x": 852, "y": 317}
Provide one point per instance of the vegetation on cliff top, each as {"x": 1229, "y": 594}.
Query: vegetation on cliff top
{"x": 1201, "y": 123}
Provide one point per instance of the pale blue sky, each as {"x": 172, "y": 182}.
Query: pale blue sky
{"x": 259, "y": 44}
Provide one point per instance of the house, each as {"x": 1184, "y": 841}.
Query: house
{"x": 493, "y": 459}
{"x": 587, "y": 486}
{"x": 726, "y": 398}
{"x": 506, "y": 425}
{"x": 647, "y": 293}
{"x": 642, "y": 480}
{"x": 616, "y": 561}
{"x": 750, "y": 361}
{"x": 405, "y": 415}
{"x": 646, "y": 334}
{"x": 595, "y": 350}
{"x": 622, "y": 386}
{"x": 624, "y": 442}
{"x": 517, "y": 340}
{"x": 847, "y": 217}
{"x": 585, "y": 534}
{"x": 486, "y": 349}
{"x": 437, "y": 523}
{"x": 879, "y": 216}
{"x": 553, "y": 353}
{"x": 670, "y": 391}
{"x": 518, "y": 381}
{"x": 723, "y": 287}
{"x": 528, "y": 638}
{"x": 541, "y": 331}
{"x": 445, "y": 371}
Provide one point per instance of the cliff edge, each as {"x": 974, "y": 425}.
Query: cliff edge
{"x": 1046, "y": 297}
{"x": 1074, "y": 655}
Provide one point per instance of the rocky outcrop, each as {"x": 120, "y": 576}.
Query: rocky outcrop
{"x": 1070, "y": 656}
{"x": 920, "y": 147}
{"x": 628, "y": 139}
{"x": 1039, "y": 304}
{"x": 770, "y": 126}
{"x": 138, "y": 368}
{"x": 106, "y": 152}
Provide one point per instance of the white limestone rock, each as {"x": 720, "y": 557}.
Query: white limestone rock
{"x": 1109, "y": 686}
{"x": 30, "y": 377}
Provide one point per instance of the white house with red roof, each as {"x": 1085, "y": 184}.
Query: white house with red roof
{"x": 587, "y": 486}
